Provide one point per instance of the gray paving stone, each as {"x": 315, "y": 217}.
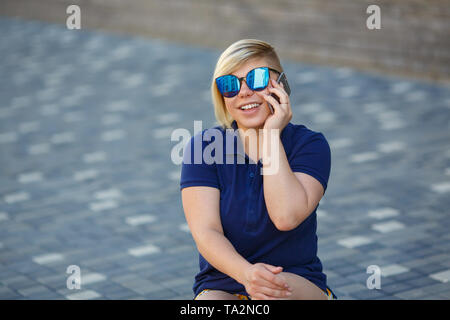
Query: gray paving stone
{"x": 394, "y": 288}
{"x": 388, "y": 298}
{"x": 84, "y": 295}
{"x": 46, "y": 296}
{"x": 444, "y": 295}
{"x": 430, "y": 268}
{"x": 414, "y": 294}
{"x": 7, "y": 293}
{"x": 56, "y": 281}
{"x": 442, "y": 276}
{"x": 393, "y": 269}
{"x": 120, "y": 295}
{"x": 369, "y": 294}
{"x": 143, "y": 287}
{"x": 349, "y": 289}
{"x": 437, "y": 288}
{"x": 17, "y": 282}
{"x": 340, "y": 281}
{"x": 35, "y": 291}
{"x": 420, "y": 282}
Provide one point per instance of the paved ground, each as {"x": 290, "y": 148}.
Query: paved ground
{"x": 87, "y": 178}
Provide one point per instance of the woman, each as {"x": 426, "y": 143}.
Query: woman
{"x": 256, "y": 232}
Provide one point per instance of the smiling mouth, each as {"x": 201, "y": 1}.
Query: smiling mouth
{"x": 250, "y": 106}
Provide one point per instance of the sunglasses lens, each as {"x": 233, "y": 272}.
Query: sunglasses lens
{"x": 258, "y": 79}
{"x": 228, "y": 85}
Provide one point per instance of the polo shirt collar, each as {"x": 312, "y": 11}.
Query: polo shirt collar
{"x": 240, "y": 148}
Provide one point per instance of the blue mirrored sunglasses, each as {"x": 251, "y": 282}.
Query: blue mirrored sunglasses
{"x": 257, "y": 79}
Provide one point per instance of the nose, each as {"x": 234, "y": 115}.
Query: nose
{"x": 245, "y": 90}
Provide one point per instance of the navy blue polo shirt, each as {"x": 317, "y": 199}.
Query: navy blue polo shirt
{"x": 245, "y": 220}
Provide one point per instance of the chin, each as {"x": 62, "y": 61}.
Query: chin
{"x": 255, "y": 122}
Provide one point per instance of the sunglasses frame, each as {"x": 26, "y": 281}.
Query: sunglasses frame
{"x": 245, "y": 78}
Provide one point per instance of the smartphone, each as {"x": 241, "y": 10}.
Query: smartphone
{"x": 283, "y": 79}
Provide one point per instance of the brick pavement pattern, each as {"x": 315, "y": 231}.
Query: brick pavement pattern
{"x": 87, "y": 178}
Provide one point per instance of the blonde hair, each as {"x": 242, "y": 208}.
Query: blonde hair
{"x": 232, "y": 59}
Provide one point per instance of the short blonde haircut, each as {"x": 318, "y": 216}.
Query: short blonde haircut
{"x": 232, "y": 59}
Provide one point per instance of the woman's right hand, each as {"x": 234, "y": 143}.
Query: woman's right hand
{"x": 264, "y": 282}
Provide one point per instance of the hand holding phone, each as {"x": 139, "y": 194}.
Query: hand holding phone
{"x": 283, "y": 79}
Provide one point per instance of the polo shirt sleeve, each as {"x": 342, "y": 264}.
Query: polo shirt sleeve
{"x": 200, "y": 173}
{"x": 313, "y": 157}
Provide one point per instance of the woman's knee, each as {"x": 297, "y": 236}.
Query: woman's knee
{"x": 216, "y": 295}
{"x": 302, "y": 288}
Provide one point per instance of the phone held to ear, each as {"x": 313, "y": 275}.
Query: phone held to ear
{"x": 283, "y": 79}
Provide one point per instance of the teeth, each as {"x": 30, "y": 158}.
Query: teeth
{"x": 249, "y": 106}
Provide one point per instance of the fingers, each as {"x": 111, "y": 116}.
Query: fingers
{"x": 268, "y": 289}
{"x": 271, "y": 284}
{"x": 278, "y": 85}
{"x": 276, "y": 279}
{"x": 271, "y": 289}
{"x": 270, "y": 100}
{"x": 273, "y": 269}
{"x": 266, "y": 282}
{"x": 280, "y": 90}
{"x": 274, "y": 293}
{"x": 281, "y": 94}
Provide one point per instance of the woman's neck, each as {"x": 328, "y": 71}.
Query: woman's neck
{"x": 252, "y": 139}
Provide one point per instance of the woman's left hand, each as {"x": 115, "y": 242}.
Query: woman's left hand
{"x": 282, "y": 112}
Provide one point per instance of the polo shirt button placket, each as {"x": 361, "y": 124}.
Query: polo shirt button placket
{"x": 253, "y": 217}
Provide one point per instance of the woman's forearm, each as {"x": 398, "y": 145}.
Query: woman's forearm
{"x": 286, "y": 199}
{"x": 221, "y": 254}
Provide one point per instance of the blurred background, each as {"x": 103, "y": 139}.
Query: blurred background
{"x": 86, "y": 116}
